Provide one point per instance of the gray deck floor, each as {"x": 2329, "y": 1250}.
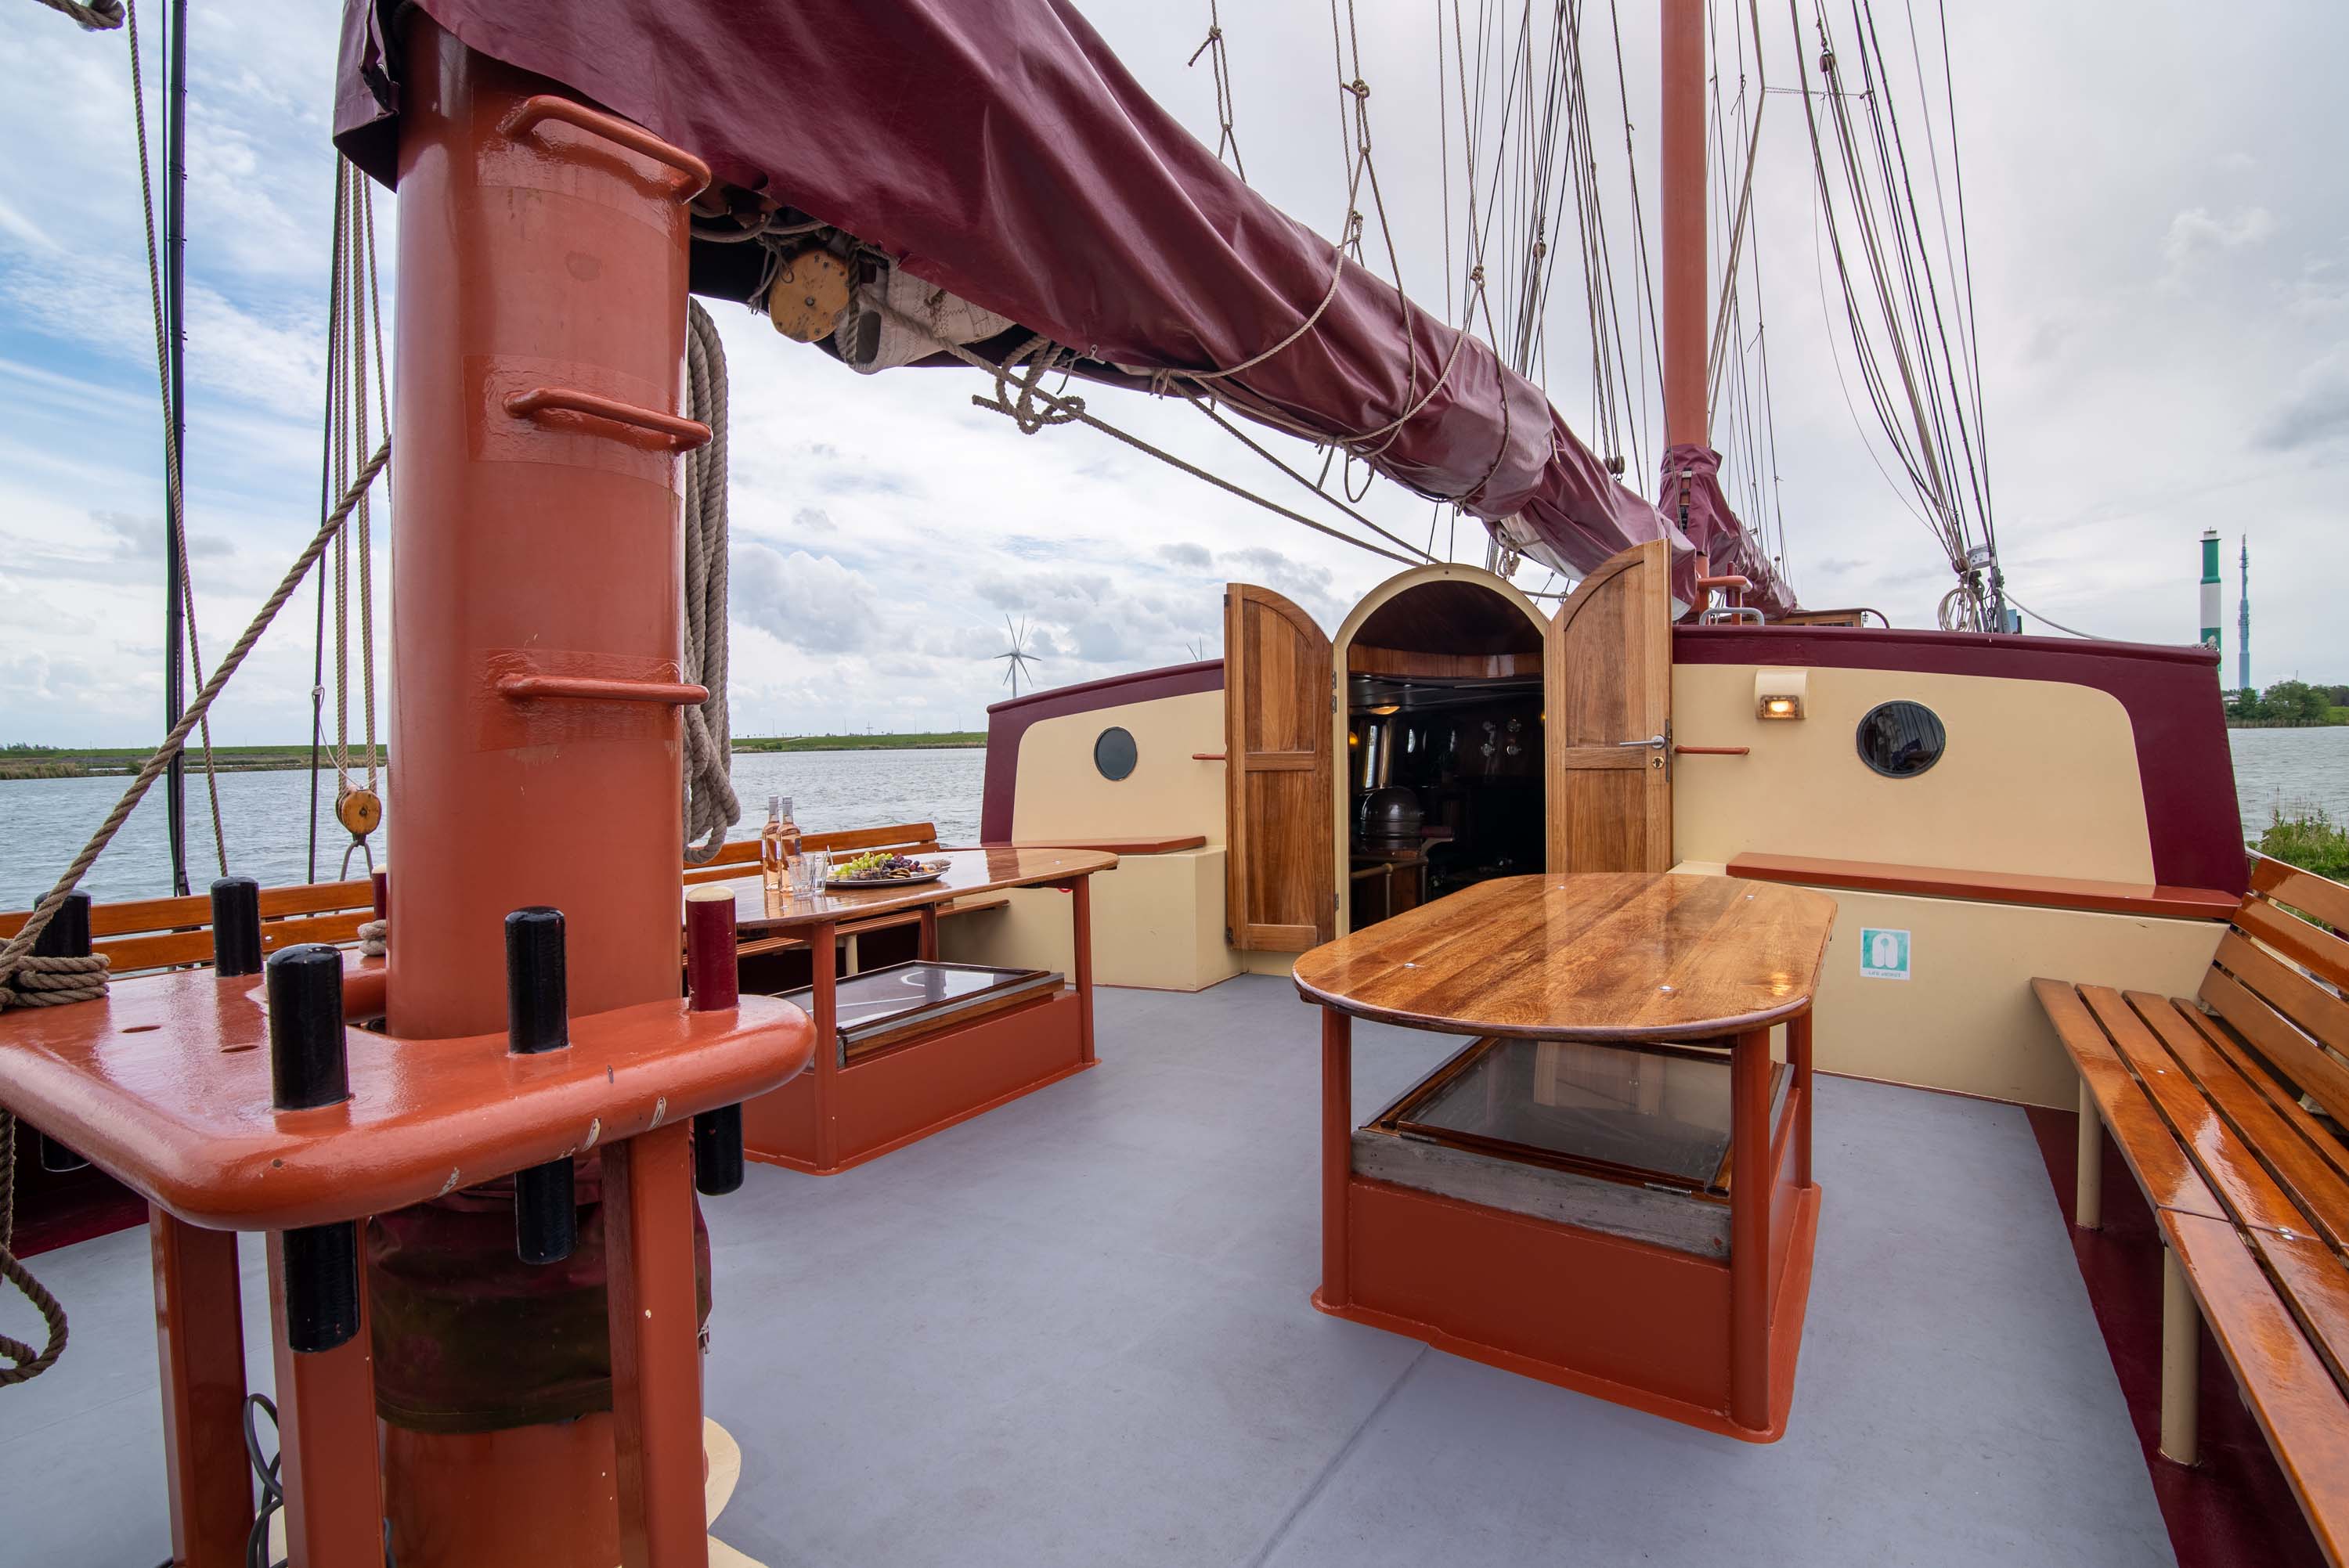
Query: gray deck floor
{"x": 1075, "y": 1331}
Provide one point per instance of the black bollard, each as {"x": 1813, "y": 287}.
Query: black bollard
{"x": 538, "y": 1018}
{"x": 322, "y": 1286}
{"x": 308, "y": 1068}
{"x": 67, "y": 933}
{"x": 307, "y": 1064}
{"x": 717, "y": 1150}
{"x": 236, "y": 927}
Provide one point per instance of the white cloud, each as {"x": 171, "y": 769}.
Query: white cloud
{"x": 2195, "y": 233}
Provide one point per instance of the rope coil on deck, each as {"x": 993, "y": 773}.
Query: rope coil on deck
{"x": 45, "y": 982}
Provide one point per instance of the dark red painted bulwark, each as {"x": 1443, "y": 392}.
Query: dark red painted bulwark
{"x": 1008, "y": 721}
{"x": 2170, "y": 694}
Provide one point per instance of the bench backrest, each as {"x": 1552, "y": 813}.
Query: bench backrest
{"x": 160, "y": 932}
{"x": 157, "y": 933}
{"x": 2286, "y": 931}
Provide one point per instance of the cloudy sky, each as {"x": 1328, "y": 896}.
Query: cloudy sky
{"x": 2160, "y": 236}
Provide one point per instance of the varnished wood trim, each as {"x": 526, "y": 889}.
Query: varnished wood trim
{"x": 1166, "y": 846}
{"x": 758, "y": 944}
{"x": 1364, "y": 660}
{"x": 1713, "y": 751}
{"x": 1990, "y": 887}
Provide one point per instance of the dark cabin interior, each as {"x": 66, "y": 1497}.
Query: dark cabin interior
{"x": 1444, "y": 746}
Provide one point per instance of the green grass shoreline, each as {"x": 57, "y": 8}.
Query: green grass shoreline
{"x": 23, "y": 761}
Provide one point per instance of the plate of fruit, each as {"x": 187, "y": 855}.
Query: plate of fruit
{"x": 879, "y": 867}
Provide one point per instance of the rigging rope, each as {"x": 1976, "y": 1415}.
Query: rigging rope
{"x": 355, "y": 323}
{"x": 1033, "y": 408}
{"x": 711, "y": 805}
{"x": 1220, "y": 65}
{"x": 172, "y": 476}
{"x": 97, "y": 16}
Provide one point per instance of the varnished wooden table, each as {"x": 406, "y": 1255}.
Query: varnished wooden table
{"x": 1619, "y": 959}
{"x": 824, "y": 1122}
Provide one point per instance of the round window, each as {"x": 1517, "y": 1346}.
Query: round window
{"x": 1113, "y": 753}
{"x": 1901, "y": 740}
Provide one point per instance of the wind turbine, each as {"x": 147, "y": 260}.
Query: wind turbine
{"x": 1018, "y": 658}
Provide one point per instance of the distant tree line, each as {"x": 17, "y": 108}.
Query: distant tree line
{"x": 2290, "y": 702}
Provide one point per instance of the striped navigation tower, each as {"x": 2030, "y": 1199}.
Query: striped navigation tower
{"x": 2210, "y": 588}
{"x": 2244, "y": 624}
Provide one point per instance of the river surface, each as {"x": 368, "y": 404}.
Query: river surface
{"x": 44, "y": 820}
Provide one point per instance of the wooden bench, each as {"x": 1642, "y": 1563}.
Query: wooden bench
{"x": 2229, "y": 1110}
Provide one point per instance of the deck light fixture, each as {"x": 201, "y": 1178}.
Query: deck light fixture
{"x": 1779, "y": 694}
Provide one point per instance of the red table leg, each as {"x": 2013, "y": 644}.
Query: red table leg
{"x": 1081, "y": 911}
{"x": 929, "y": 948}
{"x": 824, "y": 951}
{"x": 656, "y": 1348}
{"x": 1798, "y": 1051}
{"x": 1337, "y": 1151}
{"x": 199, "y": 1339}
{"x": 327, "y": 1431}
{"x": 1749, "y": 1229}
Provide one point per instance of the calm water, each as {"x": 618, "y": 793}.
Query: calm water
{"x": 44, "y": 820}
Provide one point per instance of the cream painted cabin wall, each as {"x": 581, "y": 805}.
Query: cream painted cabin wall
{"x": 2040, "y": 777}
{"x": 1158, "y": 920}
{"x": 1966, "y": 1019}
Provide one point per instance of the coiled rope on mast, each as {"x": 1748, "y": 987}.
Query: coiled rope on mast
{"x": 710, "y": 804}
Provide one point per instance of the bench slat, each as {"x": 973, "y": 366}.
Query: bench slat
{"x": 137, "y": 915}
{"x": 2161, "y": 1167}
{"x": 2314, "y": 1184}
{"x": 2328, "y": 901}
{"x": 2315, "y": 1285}
{"x": 2228, "y": 1166}
{"x": 2300, "y": 1408}
{"x": 2276, "y": 1038}
{"x": 2271, "y": 1089}
{"x": 2316, "y": 1010}
{"x": 2295, "y": 938}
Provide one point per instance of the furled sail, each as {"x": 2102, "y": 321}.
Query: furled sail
{"x": 996, "y": 149}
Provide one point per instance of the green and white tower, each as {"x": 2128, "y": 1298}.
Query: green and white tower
{"x": 2210, "y": 588}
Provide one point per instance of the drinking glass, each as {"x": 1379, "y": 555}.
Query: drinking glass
{"x": 809, "y": 873}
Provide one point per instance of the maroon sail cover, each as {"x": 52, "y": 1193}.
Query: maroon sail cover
{"x": 997, "y": 149}
{"x": 1692, "y": 496}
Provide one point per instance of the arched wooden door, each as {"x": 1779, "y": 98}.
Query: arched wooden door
{"x": 1607, "y": 668}
{"x": 1279, "y": 869}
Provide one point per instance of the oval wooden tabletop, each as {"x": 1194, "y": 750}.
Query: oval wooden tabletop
{"x": 971, "y": 872}
{"x": 1589, "y": 956}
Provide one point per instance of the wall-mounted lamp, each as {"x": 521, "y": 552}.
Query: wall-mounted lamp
{"x": 1780, "y": 694}
{"x": 1391, "y": 708}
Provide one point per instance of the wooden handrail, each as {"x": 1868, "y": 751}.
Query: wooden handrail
{"x": 1991, "y": 887}
{"x": 1711, "y": 750}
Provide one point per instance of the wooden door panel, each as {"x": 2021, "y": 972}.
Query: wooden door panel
{"x": 1280, "y": 872}
{"x": 1607, "y": 673}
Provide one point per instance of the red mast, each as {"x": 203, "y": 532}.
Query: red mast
{"x": 1685, "y": 330}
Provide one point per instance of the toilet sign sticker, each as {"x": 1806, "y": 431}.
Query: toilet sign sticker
{"x": 1883, "y": 954}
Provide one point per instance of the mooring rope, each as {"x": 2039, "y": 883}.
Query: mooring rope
{"x": 25, "y": 1363}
